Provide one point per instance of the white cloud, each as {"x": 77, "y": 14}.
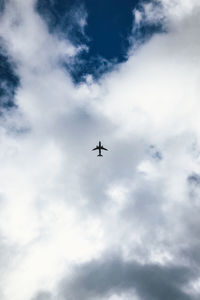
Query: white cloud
{"x": 60, "y": 205}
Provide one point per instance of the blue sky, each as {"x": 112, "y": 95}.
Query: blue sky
{"x": 74, "y": 226}
{"x": 109, "y": 25}
{"x": 106, "y": 35}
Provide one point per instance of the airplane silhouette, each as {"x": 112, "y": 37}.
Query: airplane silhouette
{"x": 99, "y": 147}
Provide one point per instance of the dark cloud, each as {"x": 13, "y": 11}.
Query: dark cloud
{"x": 2, "y": 6}
{"x": 194, "y": 179}
{"x": 9, "y": 79}
{"x": 115, "y": 276}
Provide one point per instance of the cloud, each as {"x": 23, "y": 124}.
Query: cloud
{"x": 112, "y": 276}
{"x": 62, "y": 209}
{"x": 9, "y": 79}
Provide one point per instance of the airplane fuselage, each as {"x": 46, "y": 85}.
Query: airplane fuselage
{"x": 100, "y": 149}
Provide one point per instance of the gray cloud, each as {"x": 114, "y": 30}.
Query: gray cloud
{"x": 114, "y": 276}
{"x": 43, "y": 296}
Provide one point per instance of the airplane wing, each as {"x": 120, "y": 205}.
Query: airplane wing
{"x": 95, "y": 148}
{"x": 104, "y": 148}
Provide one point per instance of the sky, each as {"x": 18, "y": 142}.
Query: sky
{"x": 74, "y": 226}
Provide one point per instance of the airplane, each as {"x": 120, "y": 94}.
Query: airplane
{"x": 100, "y": 147}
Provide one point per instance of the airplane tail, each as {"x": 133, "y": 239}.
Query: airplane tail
{"x": 100, "y": 155}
